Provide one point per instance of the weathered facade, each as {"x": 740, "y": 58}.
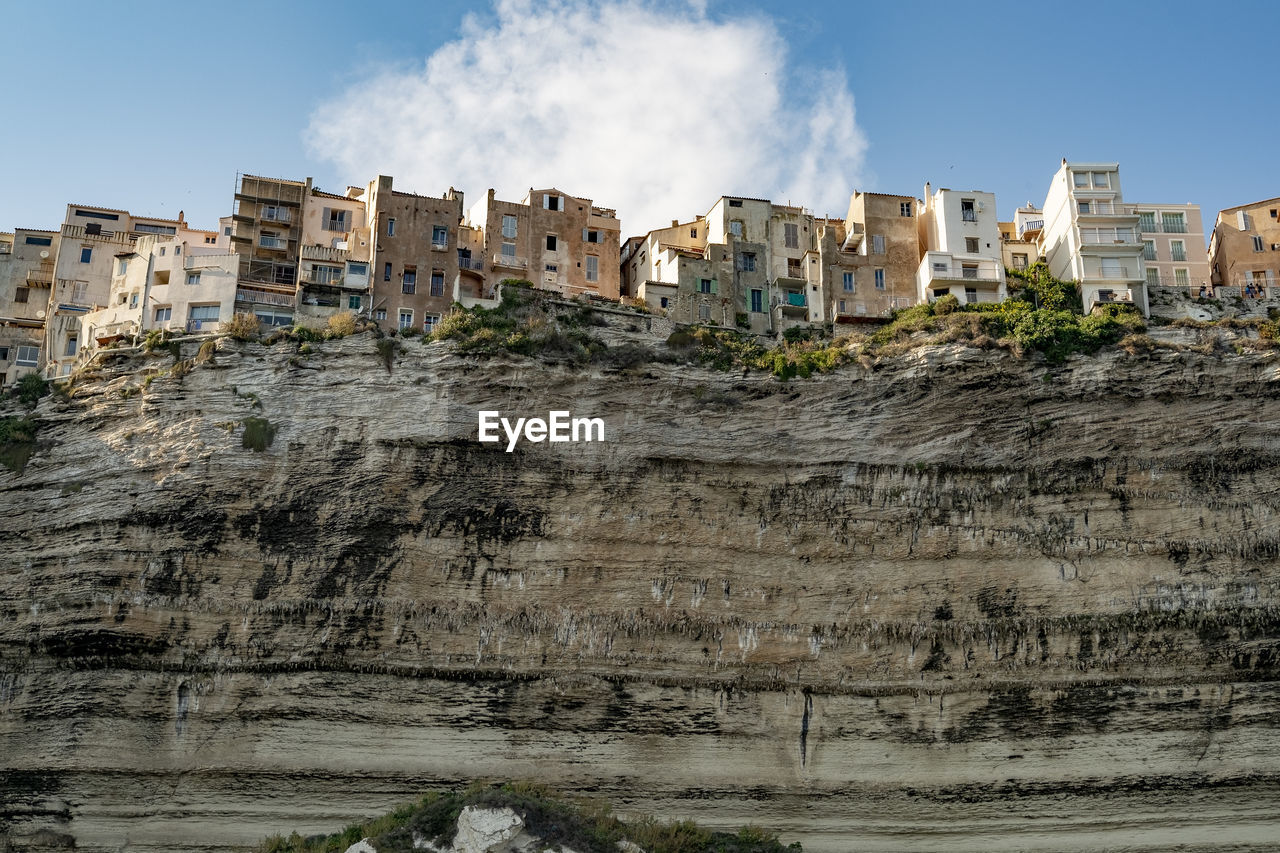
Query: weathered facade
{"x": 335, "y": 255}
{"x": 415, "y": 255}
{"x": 881, "y": 250}
{"x": 266, "y": 233}
{"x": 1244, "y": 248}
{"x": 26, "y": 276}
{"x": 960, "y": 239}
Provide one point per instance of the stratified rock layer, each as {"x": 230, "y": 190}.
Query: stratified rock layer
{"x": 955, "y": 601}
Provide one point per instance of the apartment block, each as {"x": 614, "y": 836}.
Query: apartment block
{"x": 335, "y": 255}
{"x": 1173, "y": 251}
{"x": 873, "y": 271}
{"x": 1018, "y": 238}
{"x": 184, "y": 284}
{"x": 266, "y": 234}
{"x": 27, "y": 259}
{"x": 1092, "y": 236}
{"x": 557, "y": 241}
{"x": 1244, "y": 248}
{"x": 415, "y": 255}
{"x": 963, "y": 253}
{"x": 92, "y": 241}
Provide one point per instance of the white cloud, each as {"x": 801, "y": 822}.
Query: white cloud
{"x": 652, "y": 109}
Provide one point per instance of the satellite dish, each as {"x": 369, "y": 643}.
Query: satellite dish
{"x": 45, "y": 253}
{"x": 39, "y": 315}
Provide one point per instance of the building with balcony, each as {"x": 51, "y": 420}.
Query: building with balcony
{"x": 1244, "y": 248}
{"x": 1173, "y": 250}
{"x": 1018, "y": 248}
{"x": 868, "y": 263}
{"x": 557, "y": 241}
{"x": 266, "y": 235}
{"x": 335, "y": 257}
{"x": 1092, "y": 236}
{"x": 183, "y": 284}
{"x": 963, "y": 256}
{"x": 415, "y": 255}
{"x": 93, "y": 240}
{"x": 27, "y": 258}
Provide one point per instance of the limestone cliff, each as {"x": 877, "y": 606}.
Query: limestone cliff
{"x": 951, "y": 599}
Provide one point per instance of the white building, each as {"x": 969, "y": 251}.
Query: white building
{"x": 962, "y": 251}
{"x": 1091, "y": 235}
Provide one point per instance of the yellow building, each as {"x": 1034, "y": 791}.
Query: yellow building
{"x": 1244, "y": 249}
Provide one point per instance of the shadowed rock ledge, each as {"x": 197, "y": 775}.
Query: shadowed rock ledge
{"x": 952, "y": 600}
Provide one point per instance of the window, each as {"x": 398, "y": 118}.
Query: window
{"x": 133, "y": 299}
{"x": 735, "y": 227}
{"x": 410, "y": 283}
{"x": 791, "y": 235}
{"x": 27, "y": 356}
{"x": 1173, "y": 223}
{"x": 1020, "y": 262}
{"x": 693, "y": 232}
{"x": 704, "y": 312}
{"x": 971, "y": 245}
{"x": 439, "y": 237}
{"x": 841, "y": 309}
{"x": 162, "y": 251}
{"x": 1147, "y": 221}
{"x": 970, "y": 295}
{"x": 163, "y": 314}
{"x": 551, "y": 268}
{"x": 1148, "y": 250}
{"x": 1153, "y": 276}
{"x": 21, "y": 294}
{"x": 429, "y": 323}
{"x": 211, "y": 239}
{"x": 177, "y": 250}
{"x": 357, "y": 269}
{"x": 193, "y": 278}
{"x": 704, "y": 285}
{"x": 508, "y": 250}
{"x": 86, "y": 254}
{"x": 848, "y": 282}
{"x": 380, "y": 314}
{"x": 590, "y": 236}
{"x": 38, "y": 241}
{"x": 437, "y": 282}
{"x": 124, "y": 267}
{"x": 353, "y": 302}
{"x": 79, "y": 289}
{"x": 227, "y": 230}
{"x": 406, "y": 318}
{"x": 386, "y": 271}
{"x": 551, "y": 242}
{"x": 593, "y": 268}
{"x": 967, "y": 213}
{"x": 1100, "y": 181}
{"x": 747, "y": 261}
{"x": 335, "y": 220}
{"x": 508, "y": 227}
{"x": 1182, "y": 277}
{"x": 904, "y": 208}
{"x": 664, "y": 302}
{"x": 757, "y": 300}
{"x": 391, "y": 227}
{"x": 203, "y": 312}
{"x": 879, "y": 278}
{"x": 1081, "y": 179}
{"x": 1177, "y": 250}
{"x": 1083, "y": 207}
{"x": 794, "y": 268}
{"x": 1111, "y": 268}
{"x": 1257, "y": 243}
{"x": 735, "y": 202}
{"x": 969, "y": 270}
{"x": 552, "y": 202}
{"x": 4, "y": 356}
{"x": 143, "y": 228}
{"x": 877, "y": 244}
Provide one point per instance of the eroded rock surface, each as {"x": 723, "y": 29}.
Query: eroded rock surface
{"x": 957, "y": 600}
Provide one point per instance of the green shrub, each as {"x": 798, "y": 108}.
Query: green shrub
{"x": 743, "y": 320}
{"x": 258, "y": 434}
{"x": 305, "y": 334}
{"x": 155, "y": 339}
{"x": 30, "y": 389}
{"x": 17, "y": 442}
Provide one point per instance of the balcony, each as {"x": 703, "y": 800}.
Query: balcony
{"x": 79, "y": 232}
{"x": 1103, "y": 208}
{"x": 1110, "y": 297}
{"x": 322, "y": 279}
{"x": 475, "y": 264}
{"x": 202, "y": 326}
{"x": 40, "y": 278}
{"x": 279, "y": 214}
{"x": 1148, "y": 226}
{"x": 263, "y": 297}
{"x": 510, "y": 261}
{"x": 224, "y": 262}
{"x": 1123, "y": 273}
{"x": 955, "y": 272}
{"x": 791, "y": 278}
{"x": 1030, "y": 226}
{"x": 853, "y": 237}
{"x": 266, "y": 241}
{"x": 324, "y": 253}
{"x": 793, "y": 303}
{"x": 1108, "y": 236}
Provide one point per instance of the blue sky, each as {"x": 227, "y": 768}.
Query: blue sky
{"x": 158, "y": 109}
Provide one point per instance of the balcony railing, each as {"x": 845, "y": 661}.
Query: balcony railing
{"x": 263, "y": 297}
{"x": 1103, "y": 208}
{"x": 471, "y": 264}
{"x": 40, "y": 278}
{"x": 1147, "y": 226}
{"x": 510, "y": 261}
{"x": 1118, "y": 274}
{"x": 202, "y": 325}
{"x": 969, "y": 215}
{"x": 1030, "y": 225}
{"x": 1157, "y": 280}
{"x": 268, "y": 242}
{"x": 324, "y": 279}
{"x": 280, "y": 214}
{"x": 961, "y": 273}
{"x": 79, "y": 232}
{"x": 324, "y": 253}
{"x": 1101, "y": 236}
{"x": 1111, "y": 297}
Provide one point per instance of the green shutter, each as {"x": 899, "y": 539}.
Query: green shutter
{"x": 715, "y": 288}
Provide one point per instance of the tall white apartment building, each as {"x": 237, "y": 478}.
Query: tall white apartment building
{"x": 962, "y": 249}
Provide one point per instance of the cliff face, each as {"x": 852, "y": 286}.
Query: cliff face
{"x": 954, "y": 595}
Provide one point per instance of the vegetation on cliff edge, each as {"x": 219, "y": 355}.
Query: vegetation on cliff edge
{"x": 584, "y": 826}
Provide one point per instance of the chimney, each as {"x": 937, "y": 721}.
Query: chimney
{"x": 675, "y": 222}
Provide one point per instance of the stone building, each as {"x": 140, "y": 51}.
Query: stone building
{"x": 335, "y": 255}
{"x": 415, "y": 246}
{"x": 557, "y": 241}
{"x": 872, "y": 269}
{"x": 1244, "y": 248}
{"x": 266, "y": 234}
{"x": 27, "y": 259}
